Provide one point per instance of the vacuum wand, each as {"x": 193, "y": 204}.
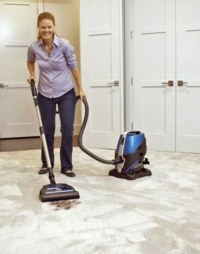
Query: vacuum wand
{"x": 44, "y": 143}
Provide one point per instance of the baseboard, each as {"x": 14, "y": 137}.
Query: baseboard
{"x": 77, "y": 128}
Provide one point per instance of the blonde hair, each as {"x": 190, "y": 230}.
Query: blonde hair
{"x": 42, "y": 16}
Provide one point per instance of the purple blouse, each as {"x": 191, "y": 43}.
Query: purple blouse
{"x": 55, "y": 78}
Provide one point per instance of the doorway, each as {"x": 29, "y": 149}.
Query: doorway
{"x": 18, "y": 22}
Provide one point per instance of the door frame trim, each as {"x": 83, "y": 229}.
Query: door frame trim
{"x": 122, "y": 66}
{"x": 128, "y": 68}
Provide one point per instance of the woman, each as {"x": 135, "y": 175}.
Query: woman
{"x": 55, "y": 57}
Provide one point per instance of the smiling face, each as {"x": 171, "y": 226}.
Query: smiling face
{"x": 46, "y": 29}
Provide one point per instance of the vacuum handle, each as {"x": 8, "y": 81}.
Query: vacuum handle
{"x": 42, "y": 134}
{"x": 33, "y": 88}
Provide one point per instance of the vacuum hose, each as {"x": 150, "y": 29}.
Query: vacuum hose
{"x": 113, "y": 162}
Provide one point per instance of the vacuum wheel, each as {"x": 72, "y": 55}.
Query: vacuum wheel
{"x": 131, "y": 173}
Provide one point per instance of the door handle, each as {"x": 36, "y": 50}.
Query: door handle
{"x": 114, "y": 83}
{"x": 3, "y": 85}
{"x": 169, "y": 83}
{"x": 181, "y": 83}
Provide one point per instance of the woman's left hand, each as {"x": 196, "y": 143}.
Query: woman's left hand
{"x": 82, "y": 95}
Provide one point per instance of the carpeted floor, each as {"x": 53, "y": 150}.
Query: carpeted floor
{"x": 159, "y": 214}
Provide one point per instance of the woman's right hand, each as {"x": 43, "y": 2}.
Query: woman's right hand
{"x": 29, "y": 80}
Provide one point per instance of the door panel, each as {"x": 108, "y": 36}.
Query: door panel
{"x": 100, "y": 62}
{"x": 18, "y": 31}
{"x": 154, "y": 66}
{"x": 188, "y": 62}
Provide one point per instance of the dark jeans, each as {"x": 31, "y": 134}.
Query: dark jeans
{"x": 66, "y": 106}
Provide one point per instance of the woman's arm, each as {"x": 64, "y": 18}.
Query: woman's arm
{"x": 31, "y": 68}
{"x": 77, "y": 78}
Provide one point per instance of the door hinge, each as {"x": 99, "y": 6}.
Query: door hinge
{"x": 131, "y": 80}
{"x": 131, "y": 34}
{"x": 37, "y": 10}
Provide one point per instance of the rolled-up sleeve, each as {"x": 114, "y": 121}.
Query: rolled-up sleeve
{"x": 70, "y": 56}
{"x": 31, "y": 55}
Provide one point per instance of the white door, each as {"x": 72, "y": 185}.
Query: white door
{"x": 100, "y": 70}
{"x": 17, "y": 30}
{"x": 188, "y": 76}
{"x": 154, "y": 72}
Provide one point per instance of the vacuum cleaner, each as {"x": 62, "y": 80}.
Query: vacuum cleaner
{"x": 52, "y": 191}
{"x": 129, "y": 155}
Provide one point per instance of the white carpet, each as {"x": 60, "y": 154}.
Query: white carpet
{"x": 159, "y": 214}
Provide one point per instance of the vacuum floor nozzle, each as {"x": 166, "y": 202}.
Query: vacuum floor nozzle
{"x": 58, "y": 192}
